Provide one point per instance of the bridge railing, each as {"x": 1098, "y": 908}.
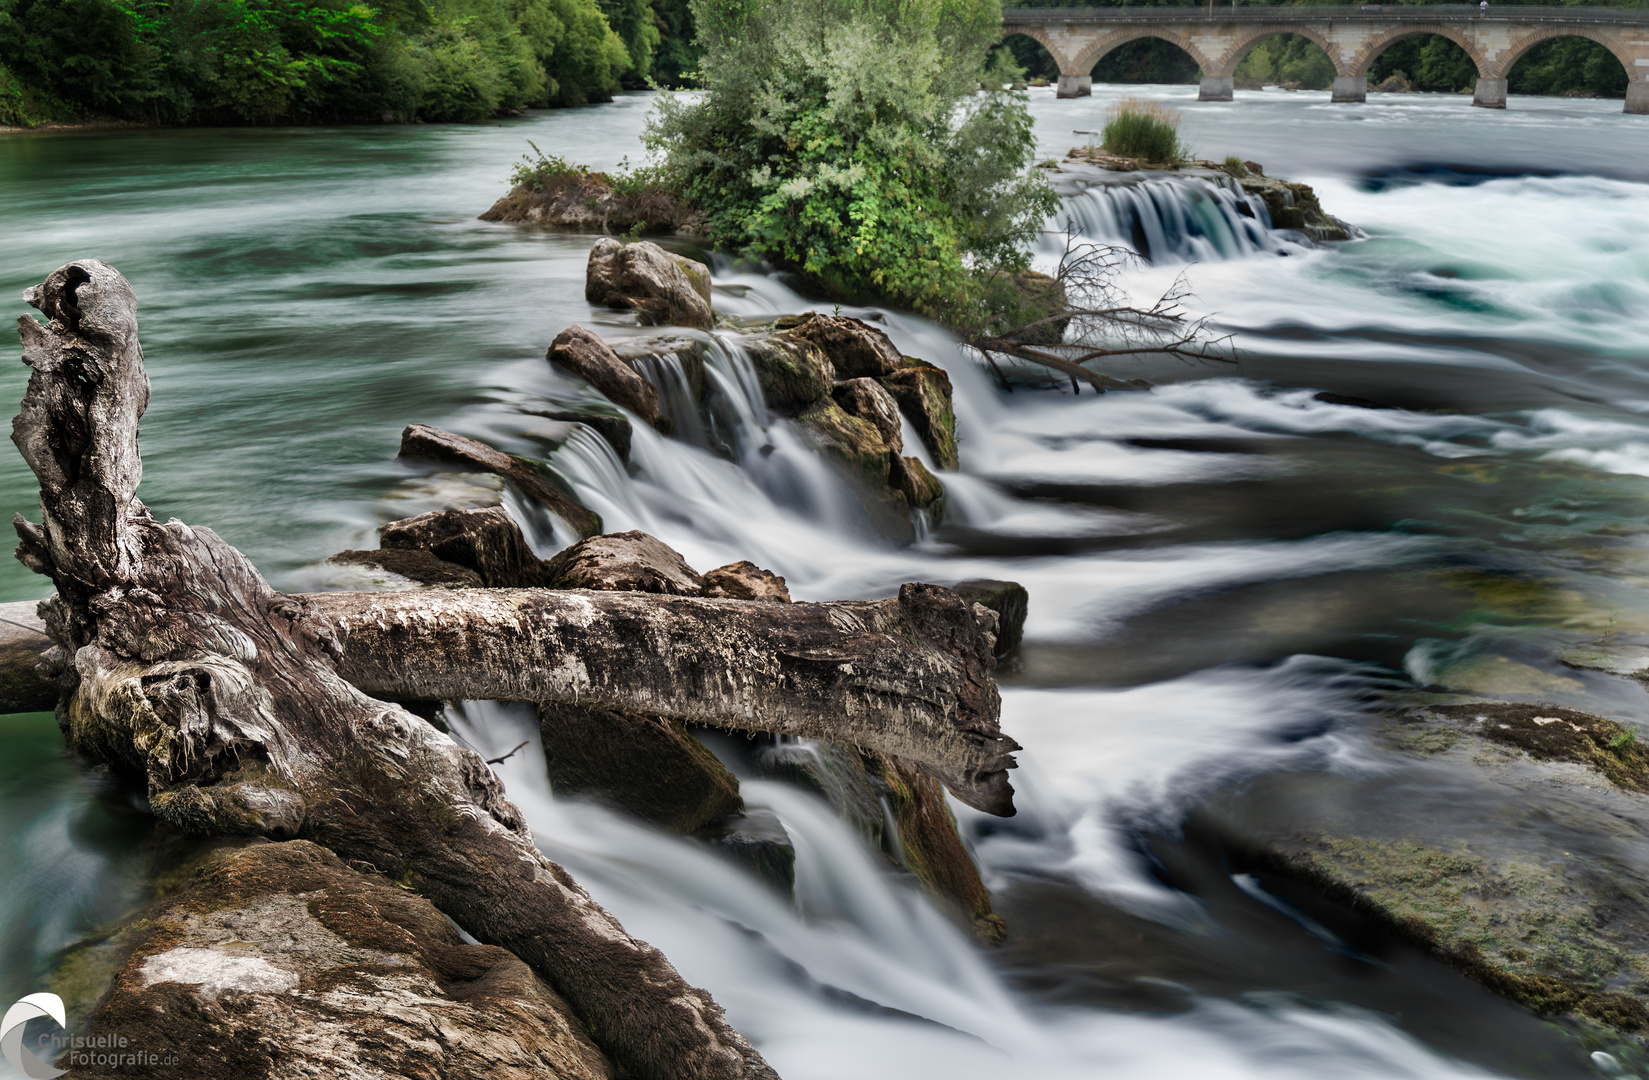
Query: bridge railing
{"x": 1224, "y": 11}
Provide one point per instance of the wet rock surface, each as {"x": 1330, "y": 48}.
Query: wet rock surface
{"x": 1008, "y": 599}
{"x": 1509, "y": 852}
{"x": 664, "y": 289}
{"x": 485, "y": 541}
{"x": 651, "y": 768}
{"x": 278, "y": 960}
{"x": 420, "y": 442}
{"x": 855, "y": 347}
{"x": 415, "y": 567}
{"x": 793, "y": 372}
{"x": 744, "y": 580}
{"x": 590, "y": 358}
{"x": 924, "y": 396}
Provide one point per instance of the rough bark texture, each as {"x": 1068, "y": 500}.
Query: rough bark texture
{"x": 420, "y": 442}
{"x": 222, "y": 694}
{"x": 627, "y": 561}
{"x": 909, "y": 676}
{"x": 278, "y": 962}
{"x": 855, "y": 347}
{"x": 662, "y": 288}
{"x": 648, "y": 766}
{"x": 745, "y": 581}
{"x": 587, "y": 356}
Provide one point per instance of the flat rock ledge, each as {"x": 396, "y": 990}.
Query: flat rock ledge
{"x": 277, "y": 961}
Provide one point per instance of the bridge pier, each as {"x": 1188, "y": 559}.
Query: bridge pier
{"x": 1217, "y": 88}
{"x": 1350, "y": 89}
{"x": 1490, "y": 94}
{"x": 1637, "y": 97}
{"x": 1072, "y": 86}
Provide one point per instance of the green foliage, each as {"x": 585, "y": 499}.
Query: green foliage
{"x": 1625, "y": 739}
{"x": 1143, "y": 129}
{"x": 1146, "y": 60}
{"x": 679, "y": 51}
{"x": 258, "y": 61}
{"x": 1031, "y": 57}
{"x": 848, "y": 139}
{"x": 1429, "y": 62}
{"x": 1234, "y": 165}
{"x": 1288, "y": 59}
{"x": 636, "y": 26}
{"x": 1568, "y": 66}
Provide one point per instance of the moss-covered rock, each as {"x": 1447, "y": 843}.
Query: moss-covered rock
{"x": 794, "y": 373}
{"x": 854, "y": 346}
{"x": 921, "y": 489}
{"x": 924, "y": 396}
{"x": 856, "y": 444}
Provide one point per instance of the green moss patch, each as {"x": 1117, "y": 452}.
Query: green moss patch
{"x": 1550, "y": 733}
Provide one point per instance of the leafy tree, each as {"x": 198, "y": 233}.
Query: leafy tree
{"x": 849, "y": 139}
{"x": 634, "y": 23}
{"x": 1568, "y": 65}
{"x": 1146, "y": 60}
{"x": 678, "y": 51}
{"x": 1288, "y": 58}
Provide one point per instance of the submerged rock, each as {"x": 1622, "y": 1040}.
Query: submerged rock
{"x": 624, "y": 562}
{"x": 415, "y": 566}
{"x": 610, "y": 426}
{"x": 757, "y": 840}
{"x": 277, "y": 960}
{"x": 587, "y": 356}
{"x": 663, "y": 288}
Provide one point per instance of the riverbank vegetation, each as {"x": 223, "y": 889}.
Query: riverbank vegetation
{"x": 173, "y": 62}
{"x": 1147, "y": 130}
{"x": 849, "y": 141}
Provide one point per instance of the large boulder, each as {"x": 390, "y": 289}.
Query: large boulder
{"x": 420, "y": 442}
{"x": 664, "y": 289}
{"x": 855, "y": 347}
{"x": 624, "y": 562}
{"x": 276, "y": 960}
{"x": 865, "y": 398}
{"x": 793, "y": 372}
{"x": 648, "y": 767}
{"x": 591, "y": 359}
{"x": 924, "y": 395}
{"x": 486, "y": 541}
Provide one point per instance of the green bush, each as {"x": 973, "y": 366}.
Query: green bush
{"x": 1143, "y": 129}
{"x": 1290, "y": 59}
{"x": 848, "y": 139}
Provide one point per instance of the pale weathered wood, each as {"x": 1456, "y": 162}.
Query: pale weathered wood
{"x": 221, "y": 695}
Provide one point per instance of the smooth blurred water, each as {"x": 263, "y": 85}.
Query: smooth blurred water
{"x": 1223, "y": 569}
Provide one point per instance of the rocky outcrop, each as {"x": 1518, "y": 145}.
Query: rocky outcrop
{"x": 610, "y": 426}
{"x": 624, "y": 562}
{"x": 855, "y": 347}
{"x": 663, "y": 289}
{"x": 587, "y": 356}
{"x": 745, "y": 580}
{"x": 865, "y": 398}
{"x": 856, "y": 444}
{"x": 277, "y": 960}
{"x": 924, "y": 396}
{"x": 589, "y": 204}
{"x": 420, "y": 442}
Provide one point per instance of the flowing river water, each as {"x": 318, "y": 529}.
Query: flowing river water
{"x": 1225, "y": 570}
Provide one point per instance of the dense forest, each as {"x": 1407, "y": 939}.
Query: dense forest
{"x": 327, "y": 61}
{"x": 174, "y": 62}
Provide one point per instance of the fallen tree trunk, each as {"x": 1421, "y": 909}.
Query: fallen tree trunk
{"x": 222, "y": 695}
{"x": 909, "y": 677}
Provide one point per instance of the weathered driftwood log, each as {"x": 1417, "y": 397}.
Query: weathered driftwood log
{"x": 196, "y": 676}
{"x": 909, "y": 676}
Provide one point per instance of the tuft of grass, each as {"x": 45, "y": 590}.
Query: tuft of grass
{"x": 1144, "y": 129}
{"x": 1234, "y": 166}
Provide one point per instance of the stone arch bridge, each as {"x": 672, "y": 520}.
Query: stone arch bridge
{"x": 1218, "y": 38}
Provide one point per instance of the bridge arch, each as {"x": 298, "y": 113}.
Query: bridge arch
{"x": 1031, "y": 54}
{"x": 1504, "y": 63}
{"x": 1083, "y": 62}
{"x": 1370, "y": 51}
{"x": 1227, "y": 64}
{"x": 1040, "y": 35}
